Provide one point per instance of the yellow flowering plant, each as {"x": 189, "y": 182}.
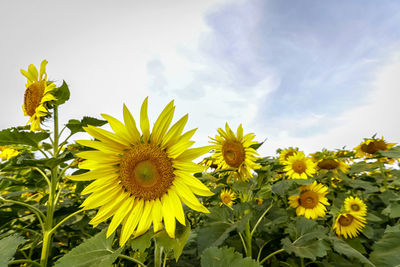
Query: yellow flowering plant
{"x": 137, "y": 191}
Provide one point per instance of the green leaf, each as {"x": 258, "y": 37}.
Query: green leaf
{"x": 225, "y": 257}
{"x": 386, "y": 250}
{"x": 393, "y": 210}
{"x": 14, "y": 136}
{"x": 76, "y": 126}
{"x": 176, "y": 244}
{"x": 62, "y": 94}
{"x": 96, "y": 251}
{"x": 214, "y": 234}
{"x": 8, "y": 246}
{"x": 393, "y": 153}
{"x": 142, "y": 242}
{"x": 308, "y": 242}
{"x": 343, "y": 248}
{"x": 257, "y": 145}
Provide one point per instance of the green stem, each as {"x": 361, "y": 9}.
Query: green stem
{"x": 243, "y": 243}
{"x": 301, "y": 261}
{"x": 271, "y": 255}
{"x": 131, "y": 259}
{"x": 48, "y": 232}
{"x": 37, "y": 212}
{"x": 247, "y": 236}
{"x": 381, "y": 167}
{"x": 259, "y": 220}
{"x": 34, "y": 263}
{"x": 64, "y": 220}
{"x": 158, "y": 250}
{"x": 165, "y": 259}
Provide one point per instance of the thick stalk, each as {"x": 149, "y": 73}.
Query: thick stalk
{"x": 158, "y": 250}
{"x": 48, "y": 233}
{"x": 382, "y": 169}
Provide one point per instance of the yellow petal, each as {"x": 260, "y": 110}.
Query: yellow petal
{"x": 157, "y": 215}
{"x": 177, "y": 149}
{"x": 195, "y": 185}
{"x": 106, "y": 137}
{"x": 118, "y": 128}
{"x": 33, "y": 71}
{"x": 100, "y": 198}
{"x": 144, "y": 121}
{"x": 186, "y": 195}
{"x": 162, "y": 124}
{"x": 169, "y": 218}
{"x": 175, "y": 132}
{"x": 130, "y": 224}
{"x": 108, "y": 209}
{"x": 99, "y": 146}
{"x": 131, "y": 126}
{"x": 187, "y": 166}
{"x": 120, "y": 214}
{"x": 99, "y": 156}
{"x": 95, "y": 174}
{"x": 145, "y": 220}
{"x": 194, "y": 153}
{"x": 43, "y": 70}
{"x": 175, "y": 205}
{"x": 99, "y": 185}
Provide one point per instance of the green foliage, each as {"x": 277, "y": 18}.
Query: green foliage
{"x": 8, "y": 246}
{"x": 95, "y": 251}
{"x": 386, "y": 250}
{"x": 62, "y": 94}
{"x": 16, "y": 136}
{"x": 225, "y": 257}
{"x": 76, "y": 126}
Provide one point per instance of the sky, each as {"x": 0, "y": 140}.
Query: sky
{"x": 309, "y": 74}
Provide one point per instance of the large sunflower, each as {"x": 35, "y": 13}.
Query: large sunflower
{"x": 311, "y": 201}
{"x": 141, "y": 179}
{"x": 355, "y": 206}
{"x": 235, "y": 151}
{"x": 298, "y": 166}
{"x": 349, "y": 224}
{"x": 37, "y": 94}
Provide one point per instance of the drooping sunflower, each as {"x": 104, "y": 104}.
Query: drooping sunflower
{"x": 285, "y": 153}
{"x": 327, "y": 160}
{"x": 38, "y": 93}
{"x": 6, "y": 153}
{"x": 298, "y": 166}
{"x": 356, "y": 206}
{"x": 227, "y": 197}
{"x": 370, "y": 146}
{"x": 349, "y": 225}
{"x": 141, "y": 179}
{"x": 235, "y": 151}
{"x": 311, "y": 201}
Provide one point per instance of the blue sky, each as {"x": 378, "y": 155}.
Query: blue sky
{"x": 311, "y": 74}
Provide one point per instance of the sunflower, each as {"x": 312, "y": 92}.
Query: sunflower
{"x": 370, "y": 146}
{"x": 7, "y": 153}
{"x": 355, "y": 206}
{"x": 311, "y": 201}
{"x": 235, "y": 152}
{"x": 37, "y": 94}
{"x": 298, "y": 166}
{"x": 349, "y": 224}
{"x": 334, "y": 165}
{"x": 227, "y": 197}
{"x": 285, "y": 153}
{"x": 141, "y": 179}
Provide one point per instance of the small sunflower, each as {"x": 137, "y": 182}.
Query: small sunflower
{"x": 370, "y": 146}
{"x": 227, "y": 197}
{"x": 349, "y": 224}
{"x": 355, "y": 206}
{"x": 311, "y": 201}
{"x": 6, "y": 153}
{"x": 299, "y": 166}
{"x": 37, "y": 94}
{"x": 285, "y": 153}
{"x": 334, "y": 165}
{"x": 141, "y": 179}
{"x": 235, "y": 151}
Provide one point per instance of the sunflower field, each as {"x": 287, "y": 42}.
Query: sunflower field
{"x": 135, "y": 193}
